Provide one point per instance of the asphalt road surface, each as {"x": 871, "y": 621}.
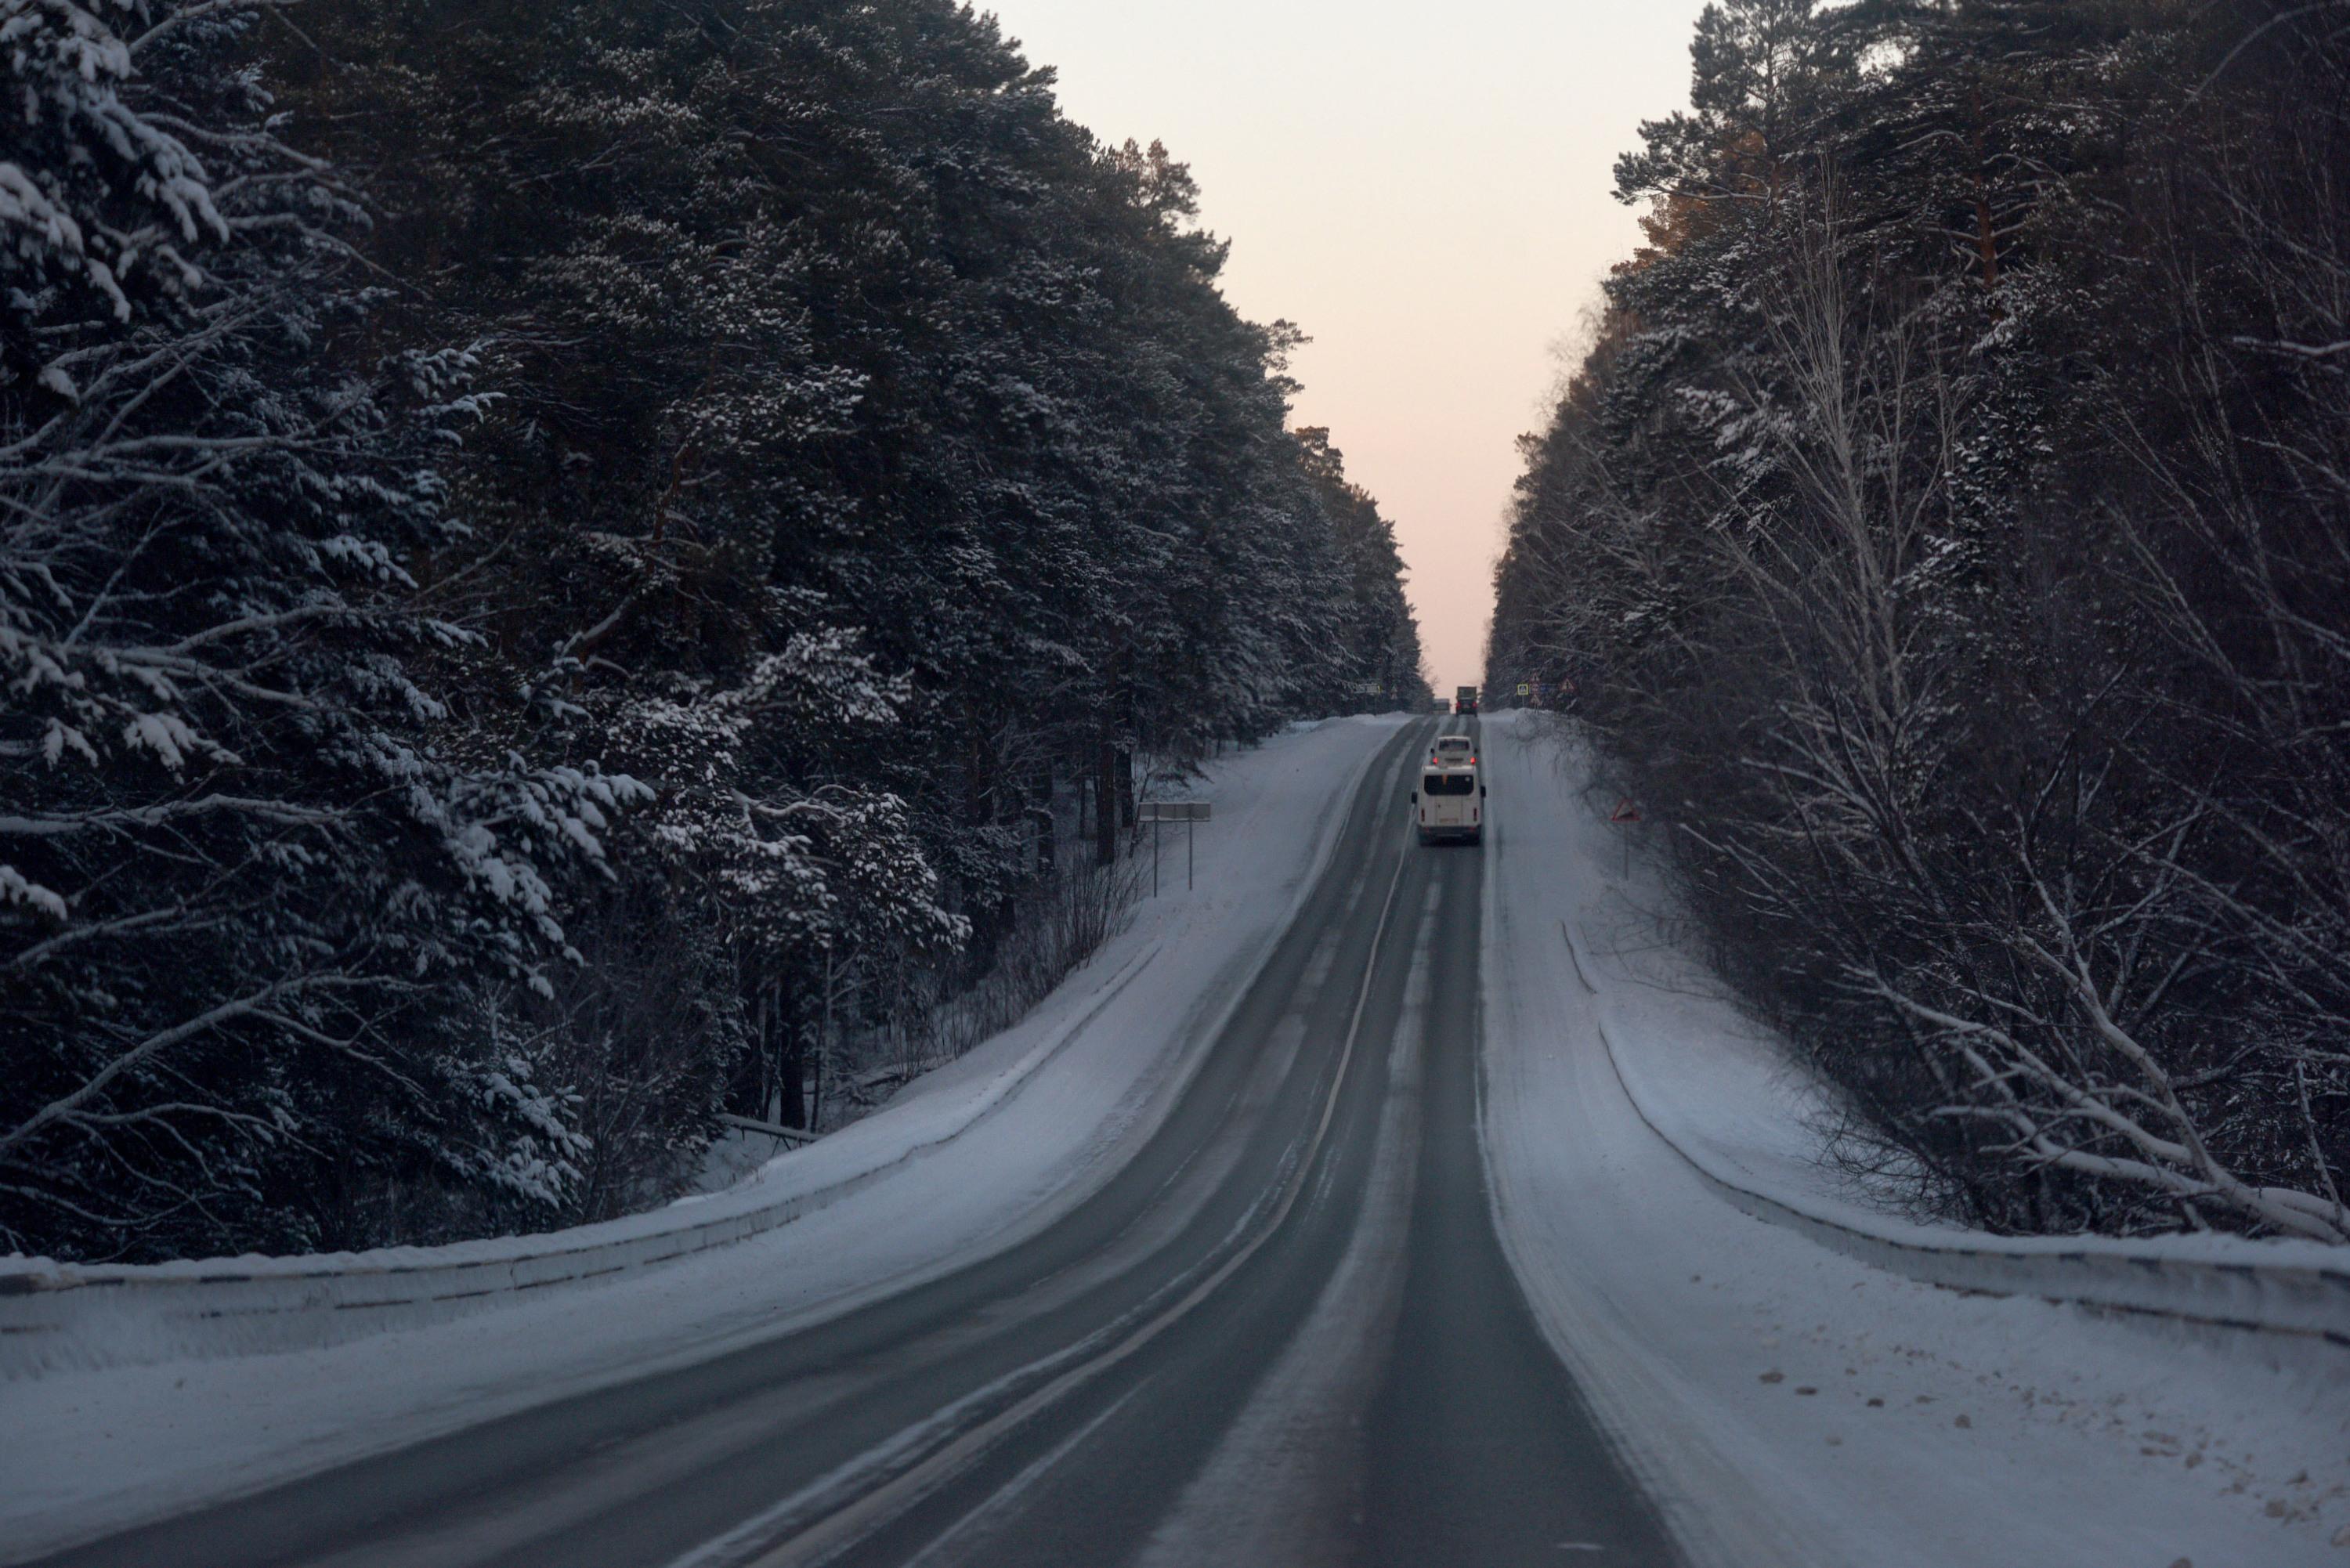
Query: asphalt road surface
{"x": 1286, "y": 1334}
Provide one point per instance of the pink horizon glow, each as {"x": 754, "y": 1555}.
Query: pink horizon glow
{"x": 1426, "y": 190}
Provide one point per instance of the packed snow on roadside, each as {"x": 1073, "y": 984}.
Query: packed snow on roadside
{"x": 968, "y": 1159}
{"x": 1786, "y": 1404}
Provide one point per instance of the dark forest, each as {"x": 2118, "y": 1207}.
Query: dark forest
{"x": 563, "y": 559}
{"x": 1945, "y": 538}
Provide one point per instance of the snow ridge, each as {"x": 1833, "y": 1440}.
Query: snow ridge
{"x": 2223, "y": 1280}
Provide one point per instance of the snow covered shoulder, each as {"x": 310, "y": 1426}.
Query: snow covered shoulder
{"x": 1789, "y": 1403}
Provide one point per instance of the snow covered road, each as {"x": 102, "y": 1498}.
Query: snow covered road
{"x": 1344, "y": 1244}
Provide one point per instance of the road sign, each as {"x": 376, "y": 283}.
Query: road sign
{"x": 1526, "y": 690}
{"x": 1189, "y": 812}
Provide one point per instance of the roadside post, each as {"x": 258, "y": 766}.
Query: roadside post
{"x": 1628, "y": 817}
{"x": 1191, "y": 813}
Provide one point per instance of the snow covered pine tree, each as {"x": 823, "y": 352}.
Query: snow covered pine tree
{"x": 239, "y": 877}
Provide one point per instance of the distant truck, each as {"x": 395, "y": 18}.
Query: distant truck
{"x": 1464, "y": 698}
{"x": 1449, "y": 803}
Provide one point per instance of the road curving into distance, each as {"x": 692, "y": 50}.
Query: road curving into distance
{"x": 1284, "y": 1333}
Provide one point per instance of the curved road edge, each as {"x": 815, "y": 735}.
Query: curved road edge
{"x": 130, "y": 1444}
{"x": 1784, "y": 1401}
{"x": 2301, "y": 1301}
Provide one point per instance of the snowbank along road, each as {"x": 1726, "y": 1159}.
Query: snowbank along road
{"x": 1399, "y": 1276}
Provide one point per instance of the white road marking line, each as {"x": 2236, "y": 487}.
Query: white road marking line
{"x": 1266, "y": 1493}
{"x": 1002, "y": 1500}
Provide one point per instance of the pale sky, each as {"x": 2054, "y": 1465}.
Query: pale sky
{"x": 1424, "y": 189}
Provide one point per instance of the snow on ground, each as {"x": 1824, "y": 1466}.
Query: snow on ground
{"x": 970, "y": 1158}
{"x": 1787, "y": 1405}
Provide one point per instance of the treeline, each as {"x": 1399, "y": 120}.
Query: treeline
{"x": 1949, "y": 536}
{"x": 550, "y": 549}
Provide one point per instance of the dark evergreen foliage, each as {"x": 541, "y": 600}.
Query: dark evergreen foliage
{"x": 539, "y": 534}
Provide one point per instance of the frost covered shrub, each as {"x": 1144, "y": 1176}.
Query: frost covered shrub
{"x": 1055, "y": 930}
{"x": 639, "y": 1042}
